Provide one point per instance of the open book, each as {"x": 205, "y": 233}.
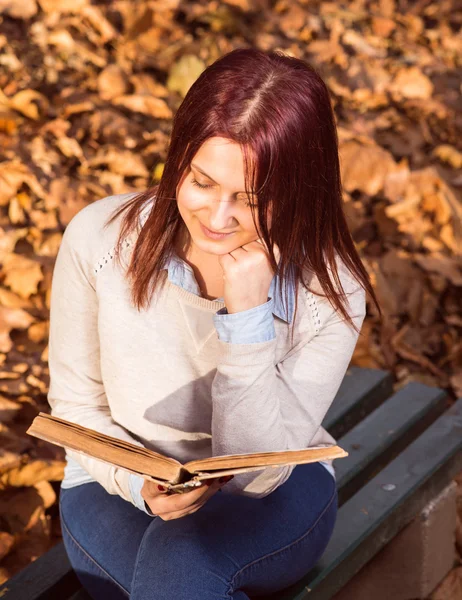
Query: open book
{"x": 176, "y": 477}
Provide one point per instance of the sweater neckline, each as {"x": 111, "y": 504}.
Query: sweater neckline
{"x": 194, "y": 299}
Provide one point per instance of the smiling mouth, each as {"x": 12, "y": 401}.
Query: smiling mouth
{"x": 217, "y": 232}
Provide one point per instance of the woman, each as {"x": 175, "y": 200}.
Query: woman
{"x": 188, "y": 352}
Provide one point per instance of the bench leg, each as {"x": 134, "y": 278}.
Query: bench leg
{"x": 417, "y": 559}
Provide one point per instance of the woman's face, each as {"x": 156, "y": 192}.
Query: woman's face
{"x": 217, "y": 200}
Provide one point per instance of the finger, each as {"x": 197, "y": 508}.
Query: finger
{"x": 152, "y": 490}
{"x": 177, "y": 502}
{"x": 254, "y": 245}
{"x": 179, "y": 514}
{"x": 213, "y": 489}
{"x": 276, "y": 251}
{"x": 167, "y": 502}
{"x": 168, "y": 515}
{"x": 208, "y": 490}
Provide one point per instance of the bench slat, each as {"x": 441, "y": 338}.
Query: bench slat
{"x": 80, "y": 595}
{"x": 374, "y": 515}
{"x": 384, "y": 433}
{"x": 361, "y": 391}
{"x": 50, "y": 577}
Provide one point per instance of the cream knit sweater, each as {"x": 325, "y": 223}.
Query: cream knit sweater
{"x": 163, "y": 379}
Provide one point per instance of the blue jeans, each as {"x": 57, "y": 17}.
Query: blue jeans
{"x": 232, "y": 547}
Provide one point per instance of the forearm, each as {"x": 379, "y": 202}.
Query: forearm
{"x": 241, "y": 393}
{"x": 113, "y": 479}
{"x": 262, "y": 405}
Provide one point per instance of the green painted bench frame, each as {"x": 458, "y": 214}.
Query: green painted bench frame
{"x": 404, "y": 448}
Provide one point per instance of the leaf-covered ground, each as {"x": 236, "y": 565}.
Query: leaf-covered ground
{"x": 87, "y": 95}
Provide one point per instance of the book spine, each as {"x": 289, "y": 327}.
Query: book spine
{"x": 183, "y": 476}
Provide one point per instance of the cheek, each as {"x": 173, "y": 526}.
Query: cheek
{"x": 250, "y": 229}
{"x": 190, "y": 199}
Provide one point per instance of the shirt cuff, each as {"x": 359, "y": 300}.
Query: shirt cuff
{"x": 251, "y": 326}
{"x": 135, "y": 483}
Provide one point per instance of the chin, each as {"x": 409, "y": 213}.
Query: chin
{"x": 213, "y": 247}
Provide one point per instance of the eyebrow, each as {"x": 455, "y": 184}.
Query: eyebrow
{"x": 204, "y": 173}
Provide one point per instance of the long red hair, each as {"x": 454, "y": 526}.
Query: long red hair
{"x": 278, "y": 109}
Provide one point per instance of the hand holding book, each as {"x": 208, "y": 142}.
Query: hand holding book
{"x": 164, "y": 470}
{"x": 176, "y": 507}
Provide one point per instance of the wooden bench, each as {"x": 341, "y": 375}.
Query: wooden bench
{"x": 404, "y": 448}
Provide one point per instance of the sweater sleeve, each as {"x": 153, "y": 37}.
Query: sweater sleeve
{"x": 261, "y": 405}
{"x": 76, "y": 390}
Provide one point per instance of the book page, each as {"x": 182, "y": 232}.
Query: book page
{"x": 266, "y": 459}
{"x": 104, "y": 447}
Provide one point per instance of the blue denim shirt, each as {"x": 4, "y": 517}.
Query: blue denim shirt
{"x": 246, "y": 327}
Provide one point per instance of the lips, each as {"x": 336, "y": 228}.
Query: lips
{"x": 217, "y": 232}
{"x": 214, "y": 236}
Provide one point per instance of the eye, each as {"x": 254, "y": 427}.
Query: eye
{"x": 200, "y": 185}
{"x": 247, "y": 202}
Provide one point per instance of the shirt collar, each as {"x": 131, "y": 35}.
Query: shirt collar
{"x": 181, "y": 272}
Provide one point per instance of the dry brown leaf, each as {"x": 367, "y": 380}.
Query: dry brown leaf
{"x": 147, "y": 105}
{"x": 8, "y": 460}
{"x": 24, "y": 102}
{"x": 96, "y": 17}
{"x": 20, "y": 509}
{"x": 374, "y": 47}
{"x": 19, "y": 9}
{"x": 69, "y": 147}
{"x": 450, "y": 268}
{"x": 411, "y": 83}
{"x": 38, "y": 383}
{"x": 46, "y": 493}
{"x": 365, "y": 168}
{"x": 184, "y": 72}
{"x": 8, "y": 410}
{"x": 43, "y": 220}
{"x": 6, "y": 544}
{"x": 292, "y": 21}
{"x": 15, "y": 442}
{"x": 9, "y": 299}
{"x": 449, "y": 154}
{"x": 145, "y": 84}
{"x": 12, "y": 318}
{"x": 382, "y": 26}
{"x": 77, "y": 108}
{"x": 38, "y": 332}
{"x": 33, "y": 472}
{"x": 63, "y": 6}
{"x": 43, "y": 156}
{"x": 112, "y": 82}
{"x": 22, "y": 274}
{"x": 13, "y": 174}
{"x": 122, "y": 162}
{"x": 8, "y": 241}
{"x": 29, "y": 545}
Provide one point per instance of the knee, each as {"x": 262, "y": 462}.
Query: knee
{"x": 176, "y": 558}
{"x": 183, "y": 541}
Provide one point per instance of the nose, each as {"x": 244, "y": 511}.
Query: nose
{"x": 221, "y": 214}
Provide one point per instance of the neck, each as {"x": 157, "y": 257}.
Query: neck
{"x": 189, "y": 253}
{"x": 206, "y": 269}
